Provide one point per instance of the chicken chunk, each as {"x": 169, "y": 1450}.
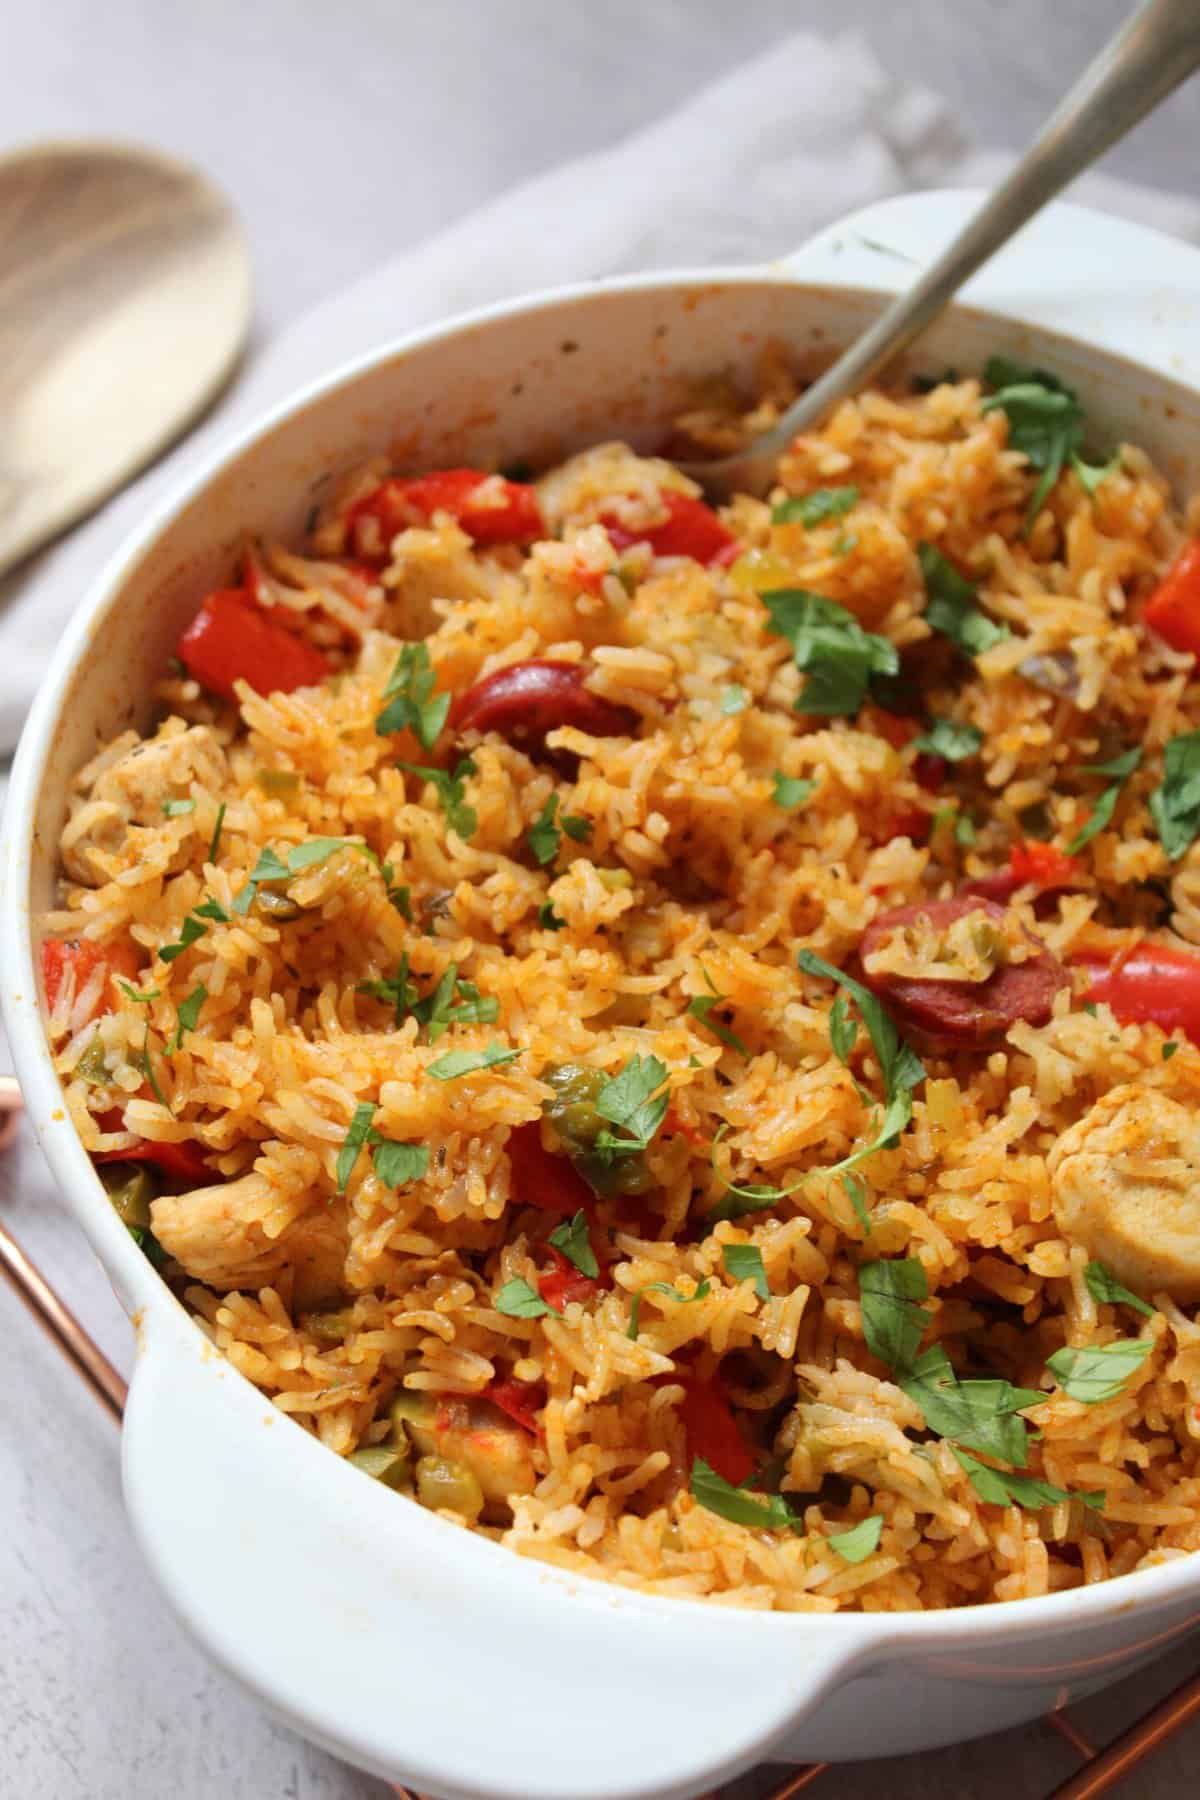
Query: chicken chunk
{"x": 219, "y": 1235}
{"x": 1126, "y": 1185}
{"x": 132, "y": 780}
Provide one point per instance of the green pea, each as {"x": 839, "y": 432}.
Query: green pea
{"x": 331, "y": 1327}
{"x": 92, "y": 1066}
{"x": 384, "y": 1463}
{"x": 130, "y": 1190}
{"x": 443, "y": 1483}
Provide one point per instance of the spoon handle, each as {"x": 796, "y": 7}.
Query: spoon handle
{"x": 1157, "y": 49}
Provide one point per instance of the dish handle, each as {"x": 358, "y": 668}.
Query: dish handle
{"x": 423, "y": 1652}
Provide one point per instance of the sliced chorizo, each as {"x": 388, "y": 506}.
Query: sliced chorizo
{"x": 952, "y": 1015}
{"x": 527, "y": 700}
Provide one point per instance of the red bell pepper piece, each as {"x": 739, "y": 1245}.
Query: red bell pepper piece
{"x": 521, "y": 1400}
{"x": 61, "y": 954}
{"x": 1029, "y": 865}
{"x": 1156, "y": 984}
{"x": 232, "y": 639}
{"x": 712, "y": 1430}
{"x": 912, "y": 822}
{"x": 180, "y": 1162}
{"x": 689, "y": 529}
{"x": 564, "y": 1282}
{"x": 539, "y": 1179}
{"x": 397, "y": 504}
{"x": 1173, "y": 609}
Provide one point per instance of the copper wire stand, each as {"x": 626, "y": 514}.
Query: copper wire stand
{"x": 1101, "y": 1769}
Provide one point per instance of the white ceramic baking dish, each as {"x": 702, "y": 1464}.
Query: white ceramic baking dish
{"x": 403, "y": 1644}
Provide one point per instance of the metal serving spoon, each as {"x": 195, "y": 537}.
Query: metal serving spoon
{"x": 1148, "y": 58}
{"x": 124, "y": 302}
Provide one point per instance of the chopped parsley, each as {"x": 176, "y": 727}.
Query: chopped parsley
{"x": 1169, "y": 1049}
{"x": 469, "y": 1062}
{"x": 520, "y": 1301}
{"x": 1091, "y": 475}
{"x": 861, "y": 1541}
{"x": 744, "y": 1262}
{"x": 396, "y": 1164}
{"x": 412, "y": 704}
{"x": 633, "y": 1102}
{"x": 545, "y": 834}
{"x": 981, "y": 1414}
{"x": 574, "y": 1240}
{"x": 792, "y": 791}
{"x": 451, "y": 1002}
{"x": 1098, "y": 1373}
{"x": 1103, "y": 1285}
{"x": 769, "y": 1512}
{"x": 893, "y": 1320}
{"x": 672, "y": 1293}
{"x": 734, "y": 699}
{"x": 271, "y": 868}
{"x": 451, "y": 789}
{"x": 175, "y": 809}
{"x": 950, "y": 605}
{"x": 190, "y": 931}
{"x": 812, "y": 509}
{"x": 1118, "y": 768}
{"x": 189, "y": 1013}
{"x": 142, "y": 998}
{"x": 856, "y": 1193}
{"x": 1001, "y": 1488}
{"x": 843, "y": 1030}
{"x": 836, "y": 656}
{"x": 948, "y": 739}
{"x": 1045, "y": 420}
{"x": 1175, "y": 805}
{"x": 548, "y": 919}
{"x": 218, "y": 828}
{"x": 701, "y": 1007}
{"x": 147, "y": 1066}
{"x": 844, "y": 543}
{"x": 900, "y": 1066}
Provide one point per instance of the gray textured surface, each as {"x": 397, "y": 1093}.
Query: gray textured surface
{"x": 344, "y": 133}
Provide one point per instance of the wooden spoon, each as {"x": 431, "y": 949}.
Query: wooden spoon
{"x": 124, "y": 302}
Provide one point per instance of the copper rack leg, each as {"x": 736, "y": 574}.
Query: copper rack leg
{"x": 1141, "y": 1740}
{"x": 31, "y": 1286}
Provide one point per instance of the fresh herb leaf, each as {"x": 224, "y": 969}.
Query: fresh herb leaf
{"x": 950, "y": 605}
{"x": 701, "y": 1007}
{"x": 316, "y": 850}
{"x": 844, "y": 543}
{"x": 189, "y": 932}
{"x": 396, "y": 1164}
{"x": 211, "y": 908}
{"x": 520, "y": 1301}
{"x": 964, "y": 830}
{"x": 544, "y": 836}
{"x": 189, "y": 1013}
{"x": 661, "y": 1287}
{"x": 900, "y": 1066}
{"x": 744, "y": 1262}
{"x": 1175, "y": 806}
{"x": 1103, "y": 1285}
{"x": 548, "y": 919}
{"x": 1119, "y": 768}
{"x": 451, "y": 789}
{"x": 632, "y": 1102}
{"x": 577, "y": 827}
{"x": 1169, "y": 1049}
{"x": 142, "y": 998}
{"x": 452, "y": 1001}
{"x": 856, "y": 1192}
{"x": 1045, "y": 420}
{"x": 1101, "y": 1372}
{"x": 843, "y": 1030}
{"x": 861, "y": 1541}
{"x": 1092, "y": 474}
{"x": 175, "y": 809}
{"x": 791, "y": 791}
{"x": 215, "y": 843}
{"x": 835, "y": 654}
{"x": 574, "y": 1240}
{"x": 413, "y": 705}
{"x": 734, "y": 699}
{"x": 983, "y": 1415}
{"x": 811, "y": 509}
{"x": 356, "y": 1136}
{"x": 893, "y": 1321}
{"x": 999, "y": 1488}
{"x": 949, "y": 739}
{"x": 468, "y": 1062}
{"x": 716, "y": 1495}
{"x": 147, "y": 1065}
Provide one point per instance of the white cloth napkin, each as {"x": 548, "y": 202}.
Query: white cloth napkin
{"x": 746, "y": 170}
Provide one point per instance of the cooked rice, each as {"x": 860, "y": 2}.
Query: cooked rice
{"x": 692, "y": 880}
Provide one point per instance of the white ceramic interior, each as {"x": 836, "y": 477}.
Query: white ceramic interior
{"x": 412, "y": 1648}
